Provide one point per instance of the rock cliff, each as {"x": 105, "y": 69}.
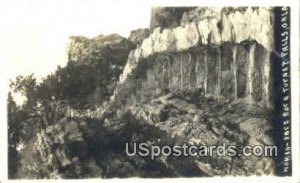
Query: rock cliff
{"x": 225, "y": 51}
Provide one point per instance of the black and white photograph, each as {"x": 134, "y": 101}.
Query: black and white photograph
{"x": 103, "y": 90}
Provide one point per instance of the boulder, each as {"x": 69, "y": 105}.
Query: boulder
{"x": 255, "y": 127}
{"x": 72, "y": 127}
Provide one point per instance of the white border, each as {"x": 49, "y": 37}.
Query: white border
{"x": 294, "y": 4}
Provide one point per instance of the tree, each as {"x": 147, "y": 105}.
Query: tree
{"x": 26, "y": 85}
{"x": 14, "y": 130}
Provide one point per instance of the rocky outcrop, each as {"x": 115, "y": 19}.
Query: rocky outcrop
{"x": 137, "y": 36}
{"x": 63, "y": 148}
{"x": 226, "y": 52}
{"x": 215, "y": 26}
{"x": 167, "y": 17}
{"x": 83, "y": 50}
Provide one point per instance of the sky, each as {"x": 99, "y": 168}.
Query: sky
{"x": 34, "y": 33}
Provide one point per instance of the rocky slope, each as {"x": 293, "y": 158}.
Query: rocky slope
{"x": 94, "y": 147}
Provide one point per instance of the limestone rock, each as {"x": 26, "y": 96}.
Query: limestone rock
{"x": 137, "y": 36}
{"x": 216, "y": 26}
{"x": 255, "y": 126}
{"x": 167, "y": 17}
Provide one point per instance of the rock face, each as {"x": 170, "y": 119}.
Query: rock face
{"x": 63, "y": 147}
{"x": 137, "y": 36}
{"x": 83, "y": 50}
{"x": 229, "y": 70}
{"x": 226, "y": 52}
{"x": 167, "y": 17}
{"x": 215, "y": 26}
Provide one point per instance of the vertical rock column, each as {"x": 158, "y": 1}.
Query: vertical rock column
{"x": 234, "y": 70}
{"x": 185, "y": 61}
{"x": 201, "y": 68}
{"x": 241, "y": 70}
{"x": 219, "y": 74}
{"x": 263, "y": 65}
{"x": 175, "y": 71}
{"x": 150, "y": 79}
{"x": 267, "y": 82}
{"x": 158, "y": 68}
{"x": 226, "y": 73}
{"x": 192, "y": 70}
{"x": 212, "y": 70}
{"x": 165, "y": 71}
{"x": 255, "y": 72}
